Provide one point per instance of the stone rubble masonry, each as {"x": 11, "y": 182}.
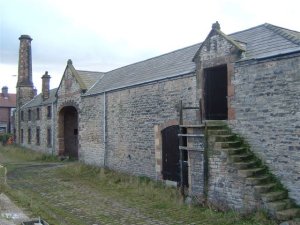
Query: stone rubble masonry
{"x": 216, "y": 51}
{"x": 91, "y": 128}
{"x": 196, "y": 162}
{"x": 267, "y": 105}
{"x": 130, "y": 117}
{"x": 226, "y": 188}
{"x": 25, "y": 62}
{"x": 44, "y": 123}
{"x": 68, "y": 94}
{"x": 24, "y": 86}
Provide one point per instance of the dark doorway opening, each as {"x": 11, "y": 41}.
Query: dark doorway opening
{"x": 215, "y": 93}
{"x": 171, "y": 156}
{"x": 68, "y": 132}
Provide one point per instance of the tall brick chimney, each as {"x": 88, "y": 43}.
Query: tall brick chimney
{"x": 24, "y": 85}
{"x": 5, "y": 92}
{"x": 25, "y": 62}
{"x": 46, "y": 85}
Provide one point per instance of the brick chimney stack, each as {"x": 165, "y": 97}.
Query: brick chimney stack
{"x": 25, "y": 62}
{"x": 24, "y": 85}
{"x": 5, "y": 92}
{"x": 46, "y": 85}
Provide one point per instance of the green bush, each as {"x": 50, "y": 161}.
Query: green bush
{"x": 5, "y": 137}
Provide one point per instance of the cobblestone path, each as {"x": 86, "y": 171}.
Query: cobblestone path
{"x": 83, "y": 204}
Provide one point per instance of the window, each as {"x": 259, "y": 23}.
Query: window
{"x": 22, "y": 136}
{"x": 49, "y": 114}
{"x": 29, "y": 136}
{"x": 37, "y": 136}
{"x": 38, "y": 114}
{"x": 29, "y": 114}
{"x": 49, "y": 139}
{"x": 22, "y": 115}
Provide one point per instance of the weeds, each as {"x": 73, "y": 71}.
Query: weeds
{"x": 70, "y": 193}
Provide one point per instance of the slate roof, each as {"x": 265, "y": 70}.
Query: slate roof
{"x": 168, "y": 65}
{"x": 265, "y": 40}
{"x": 8, "y": 102}
{"x": 89, "y": 77}
{"x": 38, "y": 100}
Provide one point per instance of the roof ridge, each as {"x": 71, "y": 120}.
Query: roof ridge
{"x": 105, "y": 74}
{"x": 251, "y": 28}
{"x": 90, "y": 71}
{"x": 285, "y": 33}
{"x": 158, "y": 56}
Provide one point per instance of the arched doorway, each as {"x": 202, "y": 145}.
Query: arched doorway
{"x": 68, "y": 132}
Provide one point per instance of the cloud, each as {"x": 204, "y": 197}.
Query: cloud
{"x": 103, "y": 35}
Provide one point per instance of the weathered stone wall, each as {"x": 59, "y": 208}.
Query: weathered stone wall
{"x": 223, "y": 187}
{"x": 226, "y": 189}
{"x": 216, "y": 51}
{"x": 267, "y": 105}
{"x": 196, "y": 161}
{"x": 44, "y": 123}
{"x": 91, "y": 128}
{"x": 130, "y": 118}
{"x": 68, "y": 94}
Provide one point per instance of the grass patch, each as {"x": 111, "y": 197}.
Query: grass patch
{"x": 75, "y": 193}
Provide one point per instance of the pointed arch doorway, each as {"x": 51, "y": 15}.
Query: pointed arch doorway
{"x": 68, "y": 132}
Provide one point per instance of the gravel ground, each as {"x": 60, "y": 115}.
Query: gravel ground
{"x": 80, "y": 203}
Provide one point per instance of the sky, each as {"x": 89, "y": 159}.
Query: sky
{"x": 101, "y": 35}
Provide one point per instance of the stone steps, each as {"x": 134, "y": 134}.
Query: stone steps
{"x": 246, "y": 165}
{"x": 280, "y": 204}
{"x": 264, "y": 188}
{"x": 262, "y": 179}
{"x": 243, "y": 157}
{"x": 218, "y": 132}
{"x": 216, "y": 126}
{"x": 227, "y": 144}
{"x": 251, "y": 172}
{"x": 287, "y": 214}
{"x": 276, "y": 200}
{"x": 225, "y": 137}
{"x": 235, "y": 151}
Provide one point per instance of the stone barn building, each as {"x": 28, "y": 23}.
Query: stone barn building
{"x": 172, "y": 118}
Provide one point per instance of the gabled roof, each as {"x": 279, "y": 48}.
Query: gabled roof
{"x": 9, "y": 101}
{"x": 216, "y": 31}
{"x": 38, "y": 100}
{"x": 85, "y": 79}
{"x": 265, "y": 40}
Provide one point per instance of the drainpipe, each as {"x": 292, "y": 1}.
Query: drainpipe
{"x": 104, "y": 129}
{"x": 52, "y": 128}
{"x": 19, "y": 124}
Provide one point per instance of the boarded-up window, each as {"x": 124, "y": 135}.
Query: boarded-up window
{"x": 38, "y": 136}
{"x": 49, "y": 139}
{"x": 49, "y": 113}
{"x": 29, "y": 136}
{"x": 22, "y": 136}
{"x": 29, "y": 114}
{"x": 22, "y": 115}
{"x": 37, "y": 113}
